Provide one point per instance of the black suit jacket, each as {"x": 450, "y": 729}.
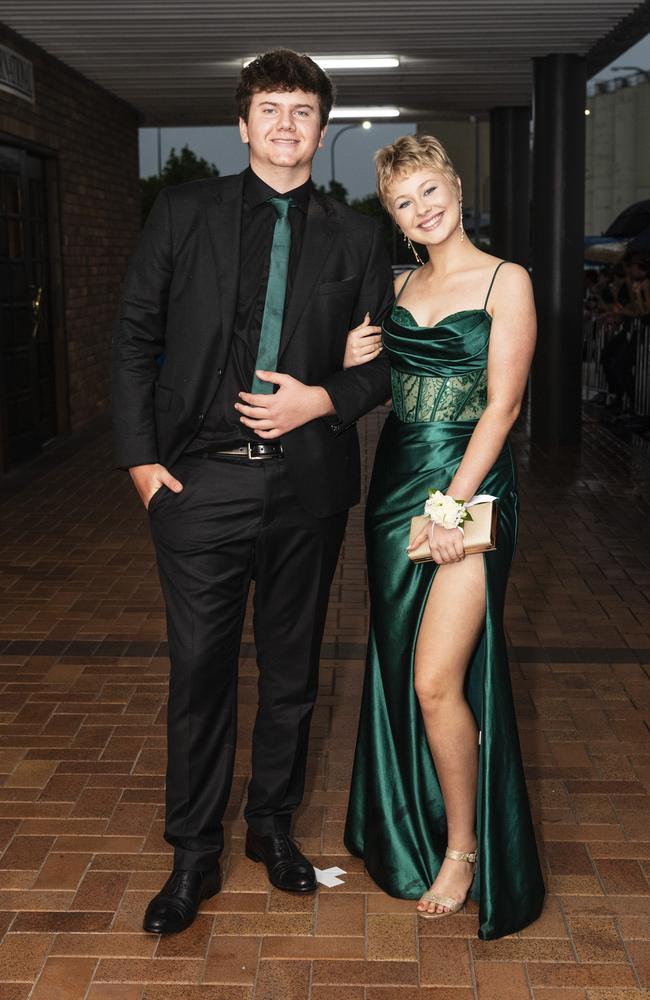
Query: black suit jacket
{"x": 179, "y": 302}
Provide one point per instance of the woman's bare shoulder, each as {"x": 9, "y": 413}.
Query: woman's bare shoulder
{"x": 512, "y": 293}
{"x": 508, "y": 269}
{"x": 511, "y": 278}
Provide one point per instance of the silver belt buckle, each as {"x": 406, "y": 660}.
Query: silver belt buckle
{"x": 258, "y": 458}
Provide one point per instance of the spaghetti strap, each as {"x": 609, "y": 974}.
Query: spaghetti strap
{"x": 399, "y": 294}
{"x": 496, "y": 270}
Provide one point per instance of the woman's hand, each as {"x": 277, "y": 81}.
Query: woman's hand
{"x": 446, "y": 544}
{"x": 363, "y": 344}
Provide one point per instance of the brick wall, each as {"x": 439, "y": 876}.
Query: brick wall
{"x": 95, "y": 137}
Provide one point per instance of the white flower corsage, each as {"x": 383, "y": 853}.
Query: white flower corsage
{"x": 446, "y": 511}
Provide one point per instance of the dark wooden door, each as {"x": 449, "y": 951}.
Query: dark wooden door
{"x": 27, "y": 373}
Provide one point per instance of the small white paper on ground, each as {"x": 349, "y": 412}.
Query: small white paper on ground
{"x": 328, "y": 877}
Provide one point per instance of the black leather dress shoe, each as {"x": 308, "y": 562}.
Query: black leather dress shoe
{"x": 177, "y": 903}
{"x": 288, "y": 869}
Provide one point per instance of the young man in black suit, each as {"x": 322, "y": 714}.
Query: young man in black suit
{"x": 241, "y": 286}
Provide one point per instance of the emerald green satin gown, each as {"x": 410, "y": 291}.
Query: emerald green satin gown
{"x": 396, "y": 817}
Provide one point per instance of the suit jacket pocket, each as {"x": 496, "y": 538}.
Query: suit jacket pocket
{"x": 346, "y": 285}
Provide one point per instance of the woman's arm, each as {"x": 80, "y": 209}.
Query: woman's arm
{"x": 364, "y": 342}
{"x": 512, "y": 344}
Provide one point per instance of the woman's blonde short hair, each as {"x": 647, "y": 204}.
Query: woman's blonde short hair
{"x": 407, "y": 154}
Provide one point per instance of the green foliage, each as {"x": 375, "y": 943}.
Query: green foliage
{"x": 335, "y": 190}
{"x": 179, "y": 168}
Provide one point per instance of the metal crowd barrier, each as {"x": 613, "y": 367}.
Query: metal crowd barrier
{"x": 616, "y": 363}
{"x": 642, "y": 375}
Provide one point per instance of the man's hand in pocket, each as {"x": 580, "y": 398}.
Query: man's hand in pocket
{"x": 148, "y": 479}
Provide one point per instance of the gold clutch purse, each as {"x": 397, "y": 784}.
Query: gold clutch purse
{"x": 480, "y": 533}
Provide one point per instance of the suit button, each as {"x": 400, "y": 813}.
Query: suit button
{"x": 219, "y": 371}
{"x": 201, "y": 417}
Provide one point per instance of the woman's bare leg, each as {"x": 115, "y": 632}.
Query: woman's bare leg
{"x": 453, "y": 620}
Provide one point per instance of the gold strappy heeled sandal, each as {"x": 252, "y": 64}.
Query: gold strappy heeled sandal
{"x": 453, "y": 905}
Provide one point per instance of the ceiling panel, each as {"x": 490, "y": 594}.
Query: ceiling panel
{"x": 178, "y": 61}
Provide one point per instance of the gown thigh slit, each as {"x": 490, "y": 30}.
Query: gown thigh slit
{"x": 444, "y": 593}
{"x": 396, "y": 817}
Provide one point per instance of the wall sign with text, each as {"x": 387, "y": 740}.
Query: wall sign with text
{"x": 16, "y": 74}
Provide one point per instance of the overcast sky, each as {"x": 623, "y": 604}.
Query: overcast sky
{"x": 222, "y": 146}
{"x": 354, "y": 165}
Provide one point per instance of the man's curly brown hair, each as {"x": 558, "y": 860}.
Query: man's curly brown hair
{"x": 284, "y": 70}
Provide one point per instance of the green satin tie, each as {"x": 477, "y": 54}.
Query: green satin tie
{"x": 276, "y": 290}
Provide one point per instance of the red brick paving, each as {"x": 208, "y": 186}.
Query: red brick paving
{"x": 82, "y": 698}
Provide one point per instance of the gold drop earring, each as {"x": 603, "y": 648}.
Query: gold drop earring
{"x": 460, "y": 220}
{"x": 412, "y": 249}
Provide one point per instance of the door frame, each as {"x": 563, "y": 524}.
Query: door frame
{"x": 49, "y": 156}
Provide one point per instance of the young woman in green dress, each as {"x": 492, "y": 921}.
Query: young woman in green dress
{"x": 438, "y": 805}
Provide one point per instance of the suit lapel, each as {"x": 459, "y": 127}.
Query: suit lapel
{"x": 321, "y": 227}
{"x": 224, "y": 224}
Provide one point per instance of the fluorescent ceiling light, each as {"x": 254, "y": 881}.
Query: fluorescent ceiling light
{"x": 385, "y": 112}
{"x": 350, "y": 62}
{"x": 356, "y": 62}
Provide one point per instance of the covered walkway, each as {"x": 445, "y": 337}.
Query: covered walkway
{"x": 83, "y": 674}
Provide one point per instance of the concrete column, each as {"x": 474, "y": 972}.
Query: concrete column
{"x": 558, "y": 245}
{"x": 510, "y": 183}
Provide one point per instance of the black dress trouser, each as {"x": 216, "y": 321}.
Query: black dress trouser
{"x": 235, "y": 520}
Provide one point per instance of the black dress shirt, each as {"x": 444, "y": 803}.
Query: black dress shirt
{"x": 222, "y": 427}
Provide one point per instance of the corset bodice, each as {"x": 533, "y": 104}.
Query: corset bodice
{"x": 438, "y": 372}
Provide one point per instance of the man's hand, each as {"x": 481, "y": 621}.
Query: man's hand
{"x": 363, "y": 344}
{"x": 293, "y": 405}
{"x": 148, "y": 479}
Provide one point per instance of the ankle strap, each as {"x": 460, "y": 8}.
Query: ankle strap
{"x": 461, "y": 855}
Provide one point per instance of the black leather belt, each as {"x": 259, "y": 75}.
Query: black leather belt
{"x": 253, "y": 450}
